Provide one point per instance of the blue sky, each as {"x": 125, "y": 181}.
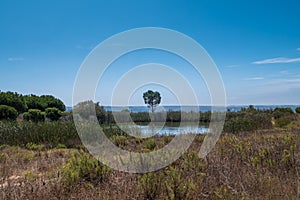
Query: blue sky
{"x": 255, "y": 44}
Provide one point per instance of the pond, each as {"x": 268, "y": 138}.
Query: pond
{"x": 164, "y": 129}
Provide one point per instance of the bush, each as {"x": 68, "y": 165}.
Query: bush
{"x": 297, "y": 110}
{"x": 283, "y": 121}
{"x": 34, "y": 147}
{"x": 87, "y": 108}
{"x": 150, "y": 144}
{"x": 281, "y": 112}
{"x": 34, "y": 115}
{"x": 151, "y": 185}
{"x": 8, "y": 112}
{"x": 82, "y": 166}
{"x": 53, "y": 114}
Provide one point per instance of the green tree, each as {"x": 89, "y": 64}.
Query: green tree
{"x": 34, "y": 102}
{"x": 100, "y": 113}
{"x": 298, "y": 110}
{"x": 50, "y": 101}
{"x": 13, "y": 99}
{"x": 43, "y": 102}
{"x": 8, "y": 112}
{"x": 53, "y": 114}
{"x": 34, "y": 115}
{"x": 152, "y": 99}
{"x": 86, "y": 109}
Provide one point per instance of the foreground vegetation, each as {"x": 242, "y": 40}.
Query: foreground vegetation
{"x": 259, "y": 165}
{"x": 46, "y": 160}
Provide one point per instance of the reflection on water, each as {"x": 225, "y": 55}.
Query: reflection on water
{"x": 148, "y": 130}
{"x": 169, "y": 130}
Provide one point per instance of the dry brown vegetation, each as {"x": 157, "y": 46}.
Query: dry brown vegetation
{"x": 257, "y": 165}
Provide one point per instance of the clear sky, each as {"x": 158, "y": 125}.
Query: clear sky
{"x": 255, "y": 44}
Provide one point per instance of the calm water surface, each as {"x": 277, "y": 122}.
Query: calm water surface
{"x": 167, "y": 129}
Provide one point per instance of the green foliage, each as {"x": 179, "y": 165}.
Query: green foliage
{"x": 151, "y": 185}
{"x": 48, "y": 134}
{"x": 53, "y": 113}
{"x": 34, "y": 115}
{"x": 34, "y": 147}
{"x": 100, "y": 113}
{"x": 150, "y": 143}
{"x": 61, "y": 146}
{"x": 248, "y": 119}
{"x": 284, "y": 121}
{"x": 86, "y": 110}
{"x": 119, "y": 140}
{"x": 178, "y": 187}
{"x": 34, "y": 102}
{"x": 281, "y": 112}
{"x": 14, "y": 100}
{"x": 140, "y": 117}
{"x": 152, "y": 99}
{"x": 23, "y": 103}
{"x": 82, "y": 166}
{"x": 52, "y": 102}
{"x": 297, "y": 110}
{"x": 283, "y": 116}
{"x": 174, "y": 116}
{"x": 8, "y": 113}
{"x": 43, "y": 102}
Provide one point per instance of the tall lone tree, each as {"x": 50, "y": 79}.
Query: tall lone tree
{"x": 152, "y": 99}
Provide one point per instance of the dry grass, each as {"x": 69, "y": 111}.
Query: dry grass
{"x": 259, "y": 165}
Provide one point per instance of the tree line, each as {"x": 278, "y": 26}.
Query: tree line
{"x": 247, "y": 119}
{"x": 30, "y": 107}
{"x": 38, "y": 108}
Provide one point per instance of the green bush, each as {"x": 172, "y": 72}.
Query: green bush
{"x": 283, "y": 121}
{"x": 180, "y": 188}
{"x": 87, "y": 108}
{"x": 53, "y": 114}
{"x": 82, "y": 166}
{"x": 119, "y": 140}
{"x": 34, "y": 147}
{"x": 297, "y": 110}
{"x": 151, "y": 185}
{"x": 8, "y": 112}
{"x": 34, "y": 115}
{"x": 150, "y": 144}
{"x": 281, "y": 112}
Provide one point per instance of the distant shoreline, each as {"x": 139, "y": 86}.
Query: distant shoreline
{"x": 231, "y": 108}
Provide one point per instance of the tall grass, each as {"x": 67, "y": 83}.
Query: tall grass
{"x": 48, "y": 133}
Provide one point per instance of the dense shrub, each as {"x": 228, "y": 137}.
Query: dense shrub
{"x": 53, "y": 114}
{"x": 43, "y": 102}
{"x": 283, "y": 121}
{"x": 34, "y": 115}
{"x": 14, "y": 100}
{"x": 297, "y": 110}
{"x": 248, "y": 119}
{"x": 87, "y": 108}
{"x": 8, "y": 112}
{"x": 82, "y": 166}
{"x": 281, "y": 112}
{"x": 283, "y": 116}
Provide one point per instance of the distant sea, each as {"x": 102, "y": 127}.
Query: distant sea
{"x": 232, "y": 108}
